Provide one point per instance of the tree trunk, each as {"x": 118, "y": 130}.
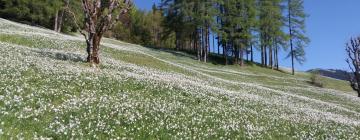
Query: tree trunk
{"x": 262, "y": 56}
{"x": 241, "y": 56}
{"x": 291, "y": 41}
{"x": 236, "y": 55}
{"x": 89, "y": 43}
{"x": 177, "y": 40}
{"x": 206, "y": 44}
{"x": 198, "y": 45}
{"x": 252, "y": 53}
{"x": 265, "y": 57}
{"x": 218, "y": 41}
{"x": 60, "y": 21}
{"x": 277, "y": 58}
{"x": 247, "y": 55}
{"x": 225, "y": 52}
{"x": 202, "y": 44}
{"x": 56, "y": 20}
{"x": 271, "y": 57}
{"x": 95, "y": 50}
{"x": 213, "y": 40}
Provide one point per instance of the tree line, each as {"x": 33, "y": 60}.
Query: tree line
{"x": 239, "y": 26}
{"x": 235, "y": 27}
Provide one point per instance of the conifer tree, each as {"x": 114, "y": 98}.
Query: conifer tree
{"x": 296, "y": 24}
{"x": 270, "y": 28}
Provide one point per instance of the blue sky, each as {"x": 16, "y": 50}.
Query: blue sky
{"x": 330, "y": 25}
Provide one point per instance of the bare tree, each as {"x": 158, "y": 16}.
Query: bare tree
{"x": 101, "y": 16}
{"x": 353, "y": 52}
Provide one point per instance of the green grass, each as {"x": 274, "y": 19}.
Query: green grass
{"x": 146, "y": 93}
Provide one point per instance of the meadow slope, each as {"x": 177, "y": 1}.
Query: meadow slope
{"x": 48, "y": 91}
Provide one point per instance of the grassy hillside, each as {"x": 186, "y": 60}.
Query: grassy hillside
{"x": 48, "y": 91}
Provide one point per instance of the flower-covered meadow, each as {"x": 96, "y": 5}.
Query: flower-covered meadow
{"x": 48, "y": 91}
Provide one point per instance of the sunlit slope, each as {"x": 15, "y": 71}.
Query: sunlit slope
{"x": 47, "y": 90}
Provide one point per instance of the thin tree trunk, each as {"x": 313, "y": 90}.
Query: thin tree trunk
{"x": 224, "y": 45}
{"x": 218, "y": 45}
{"x": 265, "y": 57}
{"x": 291, "y": 41}
{"x": 60, "y": 21}
{"x": 236, "y": 55}
{"x": 276, "y": 58}
{"x": 247, "y": 51}
{"x": 213, "y": 40}
{"x": 247, "y": 55}
{"x": 61, "y": 18}
{"x": 262, "y": 56}
{"x": 198, "y": 45}
{"x": 206, "y": 44}
{"x": 194, "y": 41}
{"x": 252, "y": 53}
{"x": 56, "y": 20}
{"x": 271, "y": 57}
{"x": 209, "y": 44}
{"x": 177, "y": 40}
{"x": 241, "y": 56}
{"x": 202, "y": 44}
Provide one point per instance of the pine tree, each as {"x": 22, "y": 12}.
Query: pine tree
{"x": 296, "y": 23}
{"x": 192, "y": 21}
{"x": 271, "y": 23}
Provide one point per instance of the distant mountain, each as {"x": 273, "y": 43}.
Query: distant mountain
{"x": 332, "y": 73}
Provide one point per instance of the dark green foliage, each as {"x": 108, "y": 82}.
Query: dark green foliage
{"x": 38, "y": 12}
{"x": 145, "y": 28}
{"x": 271, "y": 22}
{"x": 238, "y": 19}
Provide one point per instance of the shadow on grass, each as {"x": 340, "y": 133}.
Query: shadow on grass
{"x": 214, "y": 58}
{"x": 190, "y": 55}
{"x": 62, "y": 56}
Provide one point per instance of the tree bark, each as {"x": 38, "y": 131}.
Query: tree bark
{"x": 262, "y": 56}
{"x": 271, "y": 57}
{"x": 291, "y": 41}
{"x": 198, "y": 45}
{"x": 247, "y": 55}
{"x": 60, "y": 21}
{"x": 177, "y": 41}
{"x": 236, "y": 55}
{"x": 95, "y": 50}
{"x": 241, "y": 56}
{"x": 277, "y": 58}
{"x": 206, "y": 47}
{"x": 265, "y": 57}
{"x": 213, "y": 40}
{"x": 56, "y": 20}
{"x": 225, "y": 52}
{"x": 218, "y": 41}
{"x": 89, "y": 43}
{"x": 252, "y": 53}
